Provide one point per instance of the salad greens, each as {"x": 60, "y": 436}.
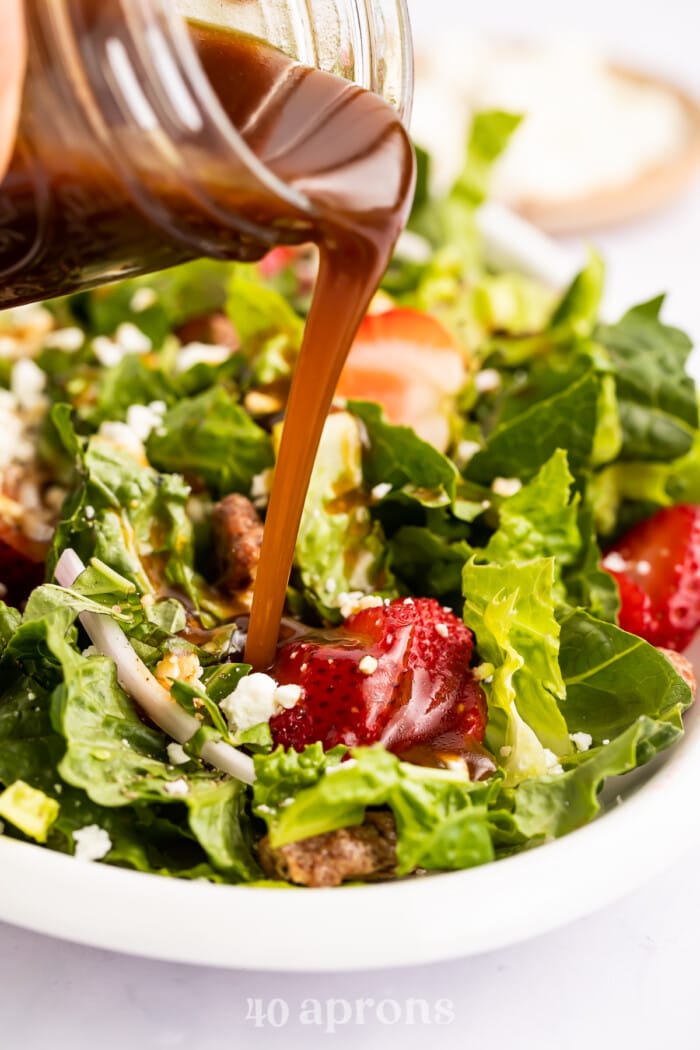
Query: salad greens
{"x": 581, "y": 429}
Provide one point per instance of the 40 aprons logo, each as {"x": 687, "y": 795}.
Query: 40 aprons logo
{"x": 332, "y": 1014}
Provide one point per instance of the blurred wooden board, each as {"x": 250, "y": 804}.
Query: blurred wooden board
{"x": 613, "y": 205}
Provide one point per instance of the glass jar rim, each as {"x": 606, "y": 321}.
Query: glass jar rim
{"x": 210, "y": 103}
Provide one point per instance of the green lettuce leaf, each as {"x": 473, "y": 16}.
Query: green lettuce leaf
{"x": 29, "y": 809}
{"x": 396, "y": 456}
{"x": 257, "y": 310}
{"x": 339, "y": 548}
{"x": 440, "y": 816}
{"x": 541, "y": 520}
{"x": 85, "y": 733}
{"x": 510, "y": 609}
{"x": 131, "y": 382}
{"x": 587, "y": 583}
{"x": 428, "y": 563}
{"x": 178, "y": 295}
{"x": 491, "y": 131}
{"x": 520, "y": 446}
{"x": 213, "y": 438}
{"x": 612, "y": 678}
{"x": 127, "y": 515}
{"x": 548, "y": 807}
{"x": 657, "y": 399}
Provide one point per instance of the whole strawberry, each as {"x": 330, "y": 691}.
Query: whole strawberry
{"x": 657, "y": 567}
{"x": 398, "y": 673}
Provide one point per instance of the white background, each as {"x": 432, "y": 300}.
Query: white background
{"x": 625, "y": 977}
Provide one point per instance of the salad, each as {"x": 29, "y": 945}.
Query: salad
{"x": 496, "y": 571}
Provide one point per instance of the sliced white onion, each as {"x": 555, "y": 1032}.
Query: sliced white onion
{"x": 136, "y": 680}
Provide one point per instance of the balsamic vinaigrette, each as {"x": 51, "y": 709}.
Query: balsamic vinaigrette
{"x": 347, "y": 151}
{"x": 68, "y": 219}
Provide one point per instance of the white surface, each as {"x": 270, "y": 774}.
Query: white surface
{"x": 625, "y": 977}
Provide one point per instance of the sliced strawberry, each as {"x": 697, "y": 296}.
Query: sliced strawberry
{"x": 398, "y": 674}
{"x": 410, "y": 364}
{"x": 657, "y": 566}
{"x": 277, "y": 260}
{"x": 21, "y": 564}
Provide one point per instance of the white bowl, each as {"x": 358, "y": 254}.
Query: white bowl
{"x": 649, "y": 820}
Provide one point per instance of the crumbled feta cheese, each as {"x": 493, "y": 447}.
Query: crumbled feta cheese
{"x": 442, "y": 629}
{"x": 35, "y": 528}
{"x": 643, "y": 567}
{"x": 288, "y": 696}
{"x": 177, "y": 756}
{"x": 27, "y": 383}
{"x": 70, "y": 340}
{"x": 143, "y": 419}
{"x": 261, "y": 487}
{"x": 124, "y": 438}
{"x": 201, "y": 354}
{"x": 352, "y": 602}
{"x": 413, "y": 248}
{"x": 382, "y": 490}
{"x": 14, "y": 446}
{"x": 552, "y": 762}
{"x": 132, "y": 340}
{"x": 367, "y": 665}
{"x": 143, "y": 299}
{"x": 581, "y": 741}
{"x": 177, "y": 788}
{"x": 257, "y": 698}
{"x": 179, "y": 666}
{"x": 506, "y": 751}
{"x": 465, "y": 451}
{"x": 251, "y": 702}
{"x": 32, "y": 317}
{"x": 615, "y": 562}
{"x": 506, "y": 486}
{"x": 487, "y": 380}
{"x": 91, "y": 843}
{"x": 107, "y": 352}
{"x": 89, "y": 513}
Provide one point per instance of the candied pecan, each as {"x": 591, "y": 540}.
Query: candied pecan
{"x": 366, "y": 851}
{"x": 237, "y": 531}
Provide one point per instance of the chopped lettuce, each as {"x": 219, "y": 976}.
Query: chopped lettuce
{"x": 339, "y": 548}
{"x": 519, "y": 446}
{"x": 612, "y": 678}
{"x": 657, "y": 399}
{"x": 511, "y": 610}
{"x": 397, "y": 457}
{"x": 212, "y": 438}
{"x": 29, "y": 809}
{"x": 441, "y": 817}
{"x": 567, "y": 430}
{"x": 541, "y": 520}
{"x": 548, "y": 807}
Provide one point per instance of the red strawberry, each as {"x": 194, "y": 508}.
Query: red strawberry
{"x": 21, "y": 564}
{"x": 409, "y": 363}
{"x": 398, "y": 674}
{"x": 657, "y": 566}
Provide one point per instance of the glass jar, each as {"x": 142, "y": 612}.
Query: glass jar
{"x": 126, "y": 158}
